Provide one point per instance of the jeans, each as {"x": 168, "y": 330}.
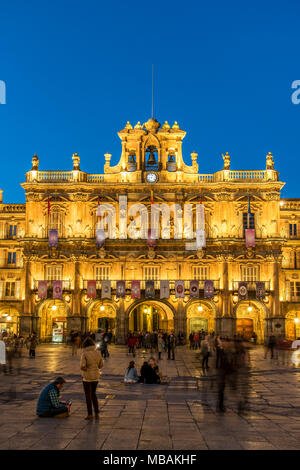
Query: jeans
{"x": 32, "y": 352}
{"x": 54, "y": 412}
{"x": 170, "y": 349}
{"x": 90, "y": 397}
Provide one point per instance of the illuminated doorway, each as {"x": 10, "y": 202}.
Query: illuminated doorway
{"x": 151, "y": 316}
{"x": 102, "y": 316}
{"x": 9, "y": 320}
{"x": 200, "y": 316}
{"x": 53, "y": 321}
{"x": 250, "y": 318}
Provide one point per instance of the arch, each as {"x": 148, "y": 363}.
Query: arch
{"x": 197, "y": 319}
{"x": 98, "y": 318}
{"x": 52, "y": 317}
{"x": 292, "y": 329}
{"x": 249, "y": 322}
{"x": 159, "y": 316}
{"x": 9, "y": 319}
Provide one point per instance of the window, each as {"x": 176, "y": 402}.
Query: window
{"x": 54, "y": 273}
{"x": 12, "y": 230}
{"x": 12, "y": 257}
{"x": 151, "y": 273}
{"x": 200, "y": 273}
{"x": 102, "y": 273}
{"x": 10, "y": 288}
{"x": 56, "y": 222}
{"x": 248, "y": 220}
{"x": 293, "y": 230}
{"x": 250, "y": 273}
{"x": 295, "y": 289}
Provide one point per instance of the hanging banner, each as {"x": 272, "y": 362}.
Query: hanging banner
{"x": 149, "y": 290}
{"x": 57, "y": 289}
{"x": 179, "y": 289}
{"x": 135, "y": 289}
{"x": 260, "y": 290}
{"x": 100, "y": 237}
{"x": 200, "y": 238}
{"x": 194, "y": 289}
{"x": 151, "y": 240}
{"x": 53, "y": 237}
{"x": 209, "y": 290}
{"x": 201, "y": 217}
{"x": 91, "y": 290}
{"x": 164, "y": 289}
{"x": 42, "y": 289}
{"x": 243, "y": 290}
{"x": 120, "y": 290}
{"x": 105, "y": 290}
{"x": 250, "y": 237}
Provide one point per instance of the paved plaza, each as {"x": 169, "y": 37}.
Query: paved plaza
{"x": 179, "y": 415}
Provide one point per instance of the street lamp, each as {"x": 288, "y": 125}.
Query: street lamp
{"x": 102, "y": 308}
{"x": 200, "y": 308}
{"x": 249, "y": 308}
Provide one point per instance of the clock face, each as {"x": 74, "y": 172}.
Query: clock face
{"x": 151, "y": 178}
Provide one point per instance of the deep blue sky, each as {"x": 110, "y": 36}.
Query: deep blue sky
{"x": 76, "y": 71}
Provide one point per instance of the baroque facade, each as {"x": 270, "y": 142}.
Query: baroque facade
{"x": 151, "y": 167}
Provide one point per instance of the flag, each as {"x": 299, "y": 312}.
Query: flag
{"x": 105, "y": 290}
{"x": 49, "y": 206}
{"x": 42, "y": 289}
{"x": 57, "y": 289}
{"x": 149, "y": 290}
{"x": 209, "y": 290}
{"x": 100, "y": 237}
{"x": 151, "y": 241}
{"x": 250, "y": 237}
{"x": 135, "y": 289}
{"x": 120, "y": 290}
{"x": 179, "y": 289}
{"x": 164, "y": 289}
{"x": 260, "y": 290}
{"x": 194, "y": 289}
{"x": 91, "y": 289}
{"x": 243, "y": 290}
{"x": 200, "y": 238}
{"x": 53, "y": 237}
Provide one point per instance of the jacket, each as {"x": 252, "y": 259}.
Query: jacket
{"x": 90, "y": 364}
{"x": 131, "y": 374}
{"x": 48, "y": 399}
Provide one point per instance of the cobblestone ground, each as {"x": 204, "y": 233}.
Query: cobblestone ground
{"x": 180, "y": 415}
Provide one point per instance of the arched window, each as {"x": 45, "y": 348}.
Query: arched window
{"x": 56, "y": 221}
{"x": 151, "y": 158}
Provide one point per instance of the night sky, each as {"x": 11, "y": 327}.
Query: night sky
{"x": 76, "y": 72}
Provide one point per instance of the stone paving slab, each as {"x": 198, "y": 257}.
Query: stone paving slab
{"x": 179, "y": 415}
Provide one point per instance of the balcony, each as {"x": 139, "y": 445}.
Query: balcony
{"x": 251, "y": 285}
{"x": 66, "y": 284}
{"x": 156, "y": 285}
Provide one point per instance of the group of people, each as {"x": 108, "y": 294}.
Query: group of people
{"x": 159, "y": 342}
{"x": 149, "y": 373}
{"x": 14, "y": 346}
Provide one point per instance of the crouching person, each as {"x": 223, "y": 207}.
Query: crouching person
{"x": 48, "y": 405}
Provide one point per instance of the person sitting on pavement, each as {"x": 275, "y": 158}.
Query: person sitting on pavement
{"x": 131, "y": 375}
{"x": 48, "y": 405}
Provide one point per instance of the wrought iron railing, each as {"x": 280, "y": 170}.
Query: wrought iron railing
{"x": 66, "y": 284}
{"x": 251, "y": 285}
{"x": 156, "y": 284}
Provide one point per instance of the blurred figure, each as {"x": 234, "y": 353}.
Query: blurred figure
{"x": 218, "y": 349}
{"x": 283, "y": 347}
{"x": 160, "y": 345}
{"x": 191, "y": 340}
{"x": 205, "y": 351}
{"x": 131, "y": 345}
{"x": 271, "y": 343}
{"x": 171, "y": 346}
{"x": 32, "y": 344}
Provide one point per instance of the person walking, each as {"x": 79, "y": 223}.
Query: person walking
{"x": 32, "y": 345}
{"x": 160, "y": 345}
{"x": 205, "y": 350}
{"x": 90, "y": 364}
{"x": 171, "y": 346}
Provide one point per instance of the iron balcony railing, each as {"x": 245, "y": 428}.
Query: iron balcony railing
{"x": 251, "y": 285}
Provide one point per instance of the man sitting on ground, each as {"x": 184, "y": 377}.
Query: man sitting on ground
{"x": 48, "y": 405}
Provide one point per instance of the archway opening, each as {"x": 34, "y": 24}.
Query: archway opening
{"x": 53, "y": 321}
{"x": 292, "y": 325}
{"x": 200, "y": 317}
{"x": 250, "y": 320}
{"x": 9, "y": 320}
{"x": 150, "y": 316}
{"x": 102, "y": 316}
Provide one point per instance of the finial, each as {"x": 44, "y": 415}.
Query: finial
{"x": 166, "y": 125}
{"x": 128, "y": 125}
{"x": 138, "y": 125}
{"x": 76, "y": 161}
{"x": 194, "y": 155}
{"x": 1, "y": 196}
{"x": 269, "y": 161}
{"x": 35, "y": 162}
{"x": 226, "y": 159}
{"x": 107, "y": 157}
{"x": 175, "y": 125}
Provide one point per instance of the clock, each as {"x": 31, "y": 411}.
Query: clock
{"x": 151, "y": 178}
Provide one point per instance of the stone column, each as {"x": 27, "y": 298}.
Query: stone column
{"x": 76, "y": 300}
{"x": 226, "y": 322}
{"x": 276, "y": 302}
{"x": 120, "y": 323}
{"x": 179, "y": 318}
{"x": 28, "y": 281}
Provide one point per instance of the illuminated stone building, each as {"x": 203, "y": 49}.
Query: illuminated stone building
{"x": 151, "y": 163}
